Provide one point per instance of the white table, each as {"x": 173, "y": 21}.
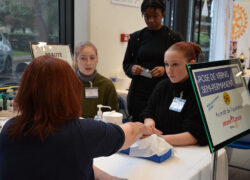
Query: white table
{"x": 191, "y": 162}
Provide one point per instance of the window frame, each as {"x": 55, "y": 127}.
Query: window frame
{"x": 66, "y": 23}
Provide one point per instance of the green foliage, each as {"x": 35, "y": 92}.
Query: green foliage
{"x": 20, "y": 53}
{"x": 20, "y": 15}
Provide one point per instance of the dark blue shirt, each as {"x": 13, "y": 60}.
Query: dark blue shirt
{"x": 66, "y": 154}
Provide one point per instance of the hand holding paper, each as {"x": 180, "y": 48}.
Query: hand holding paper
{"x": 136, "y": 69}
{"x": 158, "y": 71}
{"x": 146, "y": 73}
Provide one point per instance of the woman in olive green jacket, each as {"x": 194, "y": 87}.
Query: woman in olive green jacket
{"x": 97, "y": 89}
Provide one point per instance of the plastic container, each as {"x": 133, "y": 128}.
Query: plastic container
{"x": 10, "y": 104}
{"x": 98, "y": 115}
{"x": 112, "y": 117}
{"x": 5, "y": 98}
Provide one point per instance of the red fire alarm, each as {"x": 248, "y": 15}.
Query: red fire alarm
{"x": 124, "y": 37}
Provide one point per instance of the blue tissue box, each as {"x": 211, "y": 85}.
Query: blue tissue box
{"x": 154, "y": 158}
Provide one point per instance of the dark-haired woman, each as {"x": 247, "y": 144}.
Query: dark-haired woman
{"x": 47, "y": 139}
{"x": 172, "y": 108}
{"x": 143, "y": 61}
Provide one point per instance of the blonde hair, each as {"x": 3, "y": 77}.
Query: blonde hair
{"x": 78, "y": 49}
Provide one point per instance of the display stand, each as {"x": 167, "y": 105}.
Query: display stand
{"x": 224, "y": 102}
{"x": 214, "y": 165}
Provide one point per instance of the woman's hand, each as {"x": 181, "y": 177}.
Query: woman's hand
{"x": 158, "y": 71}
{"x": 132, "y": 131}
{"x": 136, "y": 69}
{"x": 150, "y": 126}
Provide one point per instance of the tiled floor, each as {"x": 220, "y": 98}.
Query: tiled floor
{"x": 239, "y": 158}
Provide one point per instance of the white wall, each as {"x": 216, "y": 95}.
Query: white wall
{"x": 106, "y": 21}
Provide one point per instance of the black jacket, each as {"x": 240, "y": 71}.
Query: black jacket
{"x": 145, "y": 48}
{"x": 172, "y": 122}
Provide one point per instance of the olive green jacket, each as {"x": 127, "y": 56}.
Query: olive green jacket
{"x": 107, "y": 96}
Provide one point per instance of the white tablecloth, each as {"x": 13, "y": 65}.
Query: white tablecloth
{"x": 191, "y": 162}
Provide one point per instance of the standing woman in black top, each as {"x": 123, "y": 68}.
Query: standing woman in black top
{"x": 143, "y": 61}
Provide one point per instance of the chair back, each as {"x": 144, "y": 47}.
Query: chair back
{"x": 243, "y": 143}
{"x": 122, "y": 109}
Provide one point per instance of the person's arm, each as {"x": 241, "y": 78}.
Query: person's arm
{"x": 101, "y": 175}
{"x": 132, "y": 131}
{"x": 150, "y": 126}
{"x": 136, "y": 69}
{"x": 192, "y": 121}
{"x": 180, "y": 139}
{"x": 158, "y": 71}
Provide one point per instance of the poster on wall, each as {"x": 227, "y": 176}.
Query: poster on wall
{"x": 60, "y": 51}
{"x": 223, "y": 99}
{"x": 240, "y": 34}
{"x": 132, "y": 3}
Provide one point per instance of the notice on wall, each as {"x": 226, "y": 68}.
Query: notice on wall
{"x": 56, "y": 50}
{"x": 132, "y": 3}
{"x": 240, "y": 34}
{"x": 224, "y": 99}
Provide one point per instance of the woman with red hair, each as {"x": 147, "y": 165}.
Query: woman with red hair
{"x": 172, "y": 109}
{"x": 47, "y": 139}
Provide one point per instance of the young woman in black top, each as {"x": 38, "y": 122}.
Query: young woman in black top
{"x": 172, "y": 109}
{"x": 144, "y": 55}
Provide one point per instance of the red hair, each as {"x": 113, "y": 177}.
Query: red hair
{"x": 190, "y": 50}
{"x": 49, "y": 96}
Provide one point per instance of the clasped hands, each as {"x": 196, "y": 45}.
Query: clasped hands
{"x": 150, "y": 128}
{"x": 158, "y": 71}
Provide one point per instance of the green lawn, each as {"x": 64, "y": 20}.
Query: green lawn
{"x": 20, "y": 53}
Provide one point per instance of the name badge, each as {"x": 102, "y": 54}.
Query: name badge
{"x": 91, "y": 92}
{"x": 177, "y": 104}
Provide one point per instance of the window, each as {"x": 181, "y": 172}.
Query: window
{"x": 186, "y": 17}
{"x": 202, "y": 26}
{"x": 25, "y": 21}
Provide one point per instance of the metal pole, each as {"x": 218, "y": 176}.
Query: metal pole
{"x": 214, "y": 165}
